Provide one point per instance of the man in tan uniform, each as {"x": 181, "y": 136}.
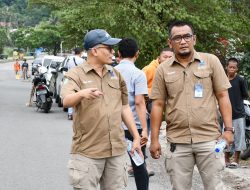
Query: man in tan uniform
{"x": 189, "y": 84}
{"x": 99, "y": 96}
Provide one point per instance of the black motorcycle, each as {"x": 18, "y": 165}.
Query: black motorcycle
{"x": 42, "y": 93}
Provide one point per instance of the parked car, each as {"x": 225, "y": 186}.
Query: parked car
{"x": 3, "y": 56}
{"x": 52, "y": 73}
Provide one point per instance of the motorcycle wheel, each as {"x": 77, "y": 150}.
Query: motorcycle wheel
{"x": 46, "y": 107}
{"x": 246, "y": 153}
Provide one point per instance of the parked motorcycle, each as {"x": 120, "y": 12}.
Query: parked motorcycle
{"x": 246, "y": 153}
{"x": 42, "y": 93}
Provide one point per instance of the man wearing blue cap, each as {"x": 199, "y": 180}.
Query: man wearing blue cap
{"x": 99, "y": 96}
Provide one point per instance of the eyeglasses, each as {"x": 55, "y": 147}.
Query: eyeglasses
{"x": 186, "y": 37}
{"x": 109, "y": 48}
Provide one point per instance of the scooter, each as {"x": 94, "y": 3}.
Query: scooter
{"x": 246, "y": 153}
{"x": 43, "y": 95}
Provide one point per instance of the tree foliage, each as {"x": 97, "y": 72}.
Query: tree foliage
{"x": 19, "y": 14}
{"x": 146, "y": 21}
{"x": 45, "y": 35}
{"x": 3, "y": 38}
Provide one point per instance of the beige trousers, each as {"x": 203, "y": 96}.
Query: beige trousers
{"x": 180, "y": 165}
{"x": 86, "y": 173}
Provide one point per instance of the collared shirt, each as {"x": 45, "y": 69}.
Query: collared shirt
{"x": 97, "y": 123}
{"x": 136, "y": 83}
{"x": 190, "y": 119}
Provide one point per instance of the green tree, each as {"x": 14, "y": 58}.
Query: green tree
{"x": 3, "y": 39}
{"x": 146, "y": 21}
{"x": 45, "y": 35}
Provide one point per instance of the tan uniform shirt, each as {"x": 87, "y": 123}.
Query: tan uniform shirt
{"x": 97, "y": 123}
{"x": 190, "y": 119}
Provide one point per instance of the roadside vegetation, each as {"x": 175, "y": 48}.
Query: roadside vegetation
{"x": 222, "y": 27}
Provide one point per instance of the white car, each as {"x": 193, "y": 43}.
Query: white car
{"x": 62, "y": 69}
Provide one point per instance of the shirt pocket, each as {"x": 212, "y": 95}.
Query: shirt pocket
{"x": 203, "y": 77}
{"x": 87, "y": 102}
{"x": 114, "y": 87}
{"x": 174, "y": 84}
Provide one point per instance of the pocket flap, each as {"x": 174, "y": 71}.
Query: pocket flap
{"x": 172, "y": 78}
{"x": 202, "y": 74}
{"x": 114, "y": 84}
{"x": 77, "y": 165}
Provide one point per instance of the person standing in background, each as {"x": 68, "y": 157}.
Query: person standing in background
{"x": 237, "y": 93}
{"x": 25, "y": 67}
{"x": 73, "y": 62}
{"x": 150, "y": 70}
{"x": 17, "y": 68}
{"x": 136, "y": 82}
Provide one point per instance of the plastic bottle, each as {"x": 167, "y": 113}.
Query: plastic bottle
{"x": 220, "y": 146}
{"x": 138, "y": 160}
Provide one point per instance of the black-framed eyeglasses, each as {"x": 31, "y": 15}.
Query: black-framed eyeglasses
{"x": 109, "y": 48}
{"x": 178, "y": 38}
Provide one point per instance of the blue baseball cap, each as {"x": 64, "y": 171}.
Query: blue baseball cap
{"x": 98, "y": 36}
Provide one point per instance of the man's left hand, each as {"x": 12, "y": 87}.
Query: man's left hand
{"x": 144, "y": 137}
{"x": 228, "y": 136}
{"x": 137, "y": 147}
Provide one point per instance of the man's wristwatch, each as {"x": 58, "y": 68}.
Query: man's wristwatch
{"x": 229, "y": 129}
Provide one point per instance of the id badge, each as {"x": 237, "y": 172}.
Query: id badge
{"x": 202, "y": 65}
{"x": 198, "y": 90}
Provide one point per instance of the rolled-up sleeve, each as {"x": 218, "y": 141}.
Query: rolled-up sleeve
{"x": 219, "y": 77}
{"x": 159, "y": 87}
{"x": 70, "y": 84}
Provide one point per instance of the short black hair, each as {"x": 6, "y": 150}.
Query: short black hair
{"x": 179, "y": 23}
{"x": 128, "y": 47}
{"x": 233, "y": 59}
{"x": 78, "y": 50}
{"x": 166, "y": 49}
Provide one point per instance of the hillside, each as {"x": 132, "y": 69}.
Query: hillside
{"x": 17, "y": 13}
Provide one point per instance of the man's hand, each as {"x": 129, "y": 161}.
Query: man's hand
{"x": 144, "y": 137}
{"x": 155, "y": 150}
{"x": 90, "y": 93}
{"x": 137, "y": 147}
{"x": 228, "y": 136}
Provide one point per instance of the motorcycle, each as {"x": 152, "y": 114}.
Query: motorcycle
{"x": 42, "y": 93}
{"x": 246, "y": 153}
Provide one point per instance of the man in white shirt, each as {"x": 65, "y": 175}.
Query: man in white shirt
{"x": 73, "y": 62}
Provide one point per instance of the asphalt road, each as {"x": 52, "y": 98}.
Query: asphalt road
{"x": 35, "y": 146}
